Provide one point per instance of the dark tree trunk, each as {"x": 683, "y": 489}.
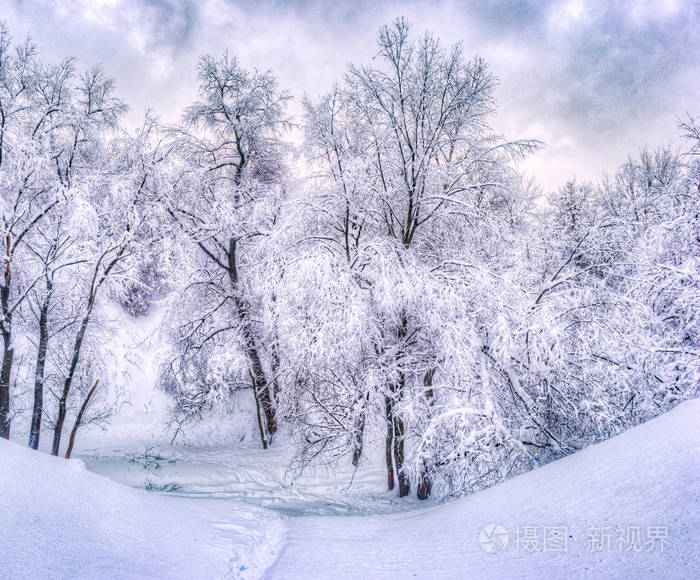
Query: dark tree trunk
{"x": 399, "y": 428}
{"x": 79, "y": 419}
{"x": 6, "y": 323}
{"x": 35, "y": 429}
{"x": 388, "y": 405}
{"x": 5, "y": 374}
{"x": 425, "y": 485}
{"x": 261, "y": 427}
{"x": 404, "y": 485}
{"x": 8, "y": 352}
{"x": 261, "y": 388}
{"x": 275, "y": 367}
{"x": 77, "y": 346}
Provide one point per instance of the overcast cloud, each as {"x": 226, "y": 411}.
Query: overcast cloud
{"x": 594, "y": 80}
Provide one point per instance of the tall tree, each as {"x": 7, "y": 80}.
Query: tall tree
{"x": 114, "y": 209}
{"x": 223, "y": 202}
{"x": 409, "y": 152}
{"x": 91, "y": 111}
{"x": 34, "y": 101}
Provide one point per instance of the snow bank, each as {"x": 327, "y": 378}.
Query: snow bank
{"x": 57, "y": 520}
{"x": 626, "y": 508}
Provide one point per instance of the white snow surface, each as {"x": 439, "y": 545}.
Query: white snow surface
{"x": 58, "y": 520}
{"x": 648, "y": 478}
{"x": 237, "y": 516}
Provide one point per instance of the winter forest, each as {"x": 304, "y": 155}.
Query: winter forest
{"x": 373, "y": 281}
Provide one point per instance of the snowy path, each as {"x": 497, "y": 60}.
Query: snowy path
{"x": 647, "y": 479}
{"x": 249, "y": 475}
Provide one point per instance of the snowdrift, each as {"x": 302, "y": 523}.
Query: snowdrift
{"x": 626, "y": 508}
{"x": 58, "y": 520}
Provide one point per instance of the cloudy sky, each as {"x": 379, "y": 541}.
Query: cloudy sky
{"x": 595, "y": 80}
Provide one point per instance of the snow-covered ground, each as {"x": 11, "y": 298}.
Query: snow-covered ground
{"x": 250, "y": 475}
{"x": 626, "y": 508}
{"x": 58, "y": 520}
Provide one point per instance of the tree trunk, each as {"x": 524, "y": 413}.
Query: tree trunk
{"x": 79, "y": 419}
{"x": 404, "y": 485}
{"x": 261, "y": 427}
{"x": 77, "y": 346}
{"x": 261, "y": 388}
{"x": 8, "y": 352}
{"x": 399, "y": 428}
{"x": 275, "y": 367}
{"x": 389, "y": 441}
{"x": 97, "y": 281}
{"x": 5, "y": 374}
{"x": 425, "y": 485}
{"x": 35, "y": 429}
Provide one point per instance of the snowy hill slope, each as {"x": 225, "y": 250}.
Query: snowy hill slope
{"x": 58, "y": 520}
{"x": 626, "y": 508}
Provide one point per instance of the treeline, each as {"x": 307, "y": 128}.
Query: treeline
{"x": 410, "y": 291}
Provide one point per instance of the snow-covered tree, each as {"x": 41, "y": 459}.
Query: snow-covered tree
{"x": 412, "y": 171}
{"x": 113, "y": 208}
{"x": 35, "y": 105}
{"x": 409, "y": 292}
{"x": 224, "y": 198}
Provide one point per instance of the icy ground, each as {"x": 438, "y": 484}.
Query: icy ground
{"x": 626, "y": 508}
